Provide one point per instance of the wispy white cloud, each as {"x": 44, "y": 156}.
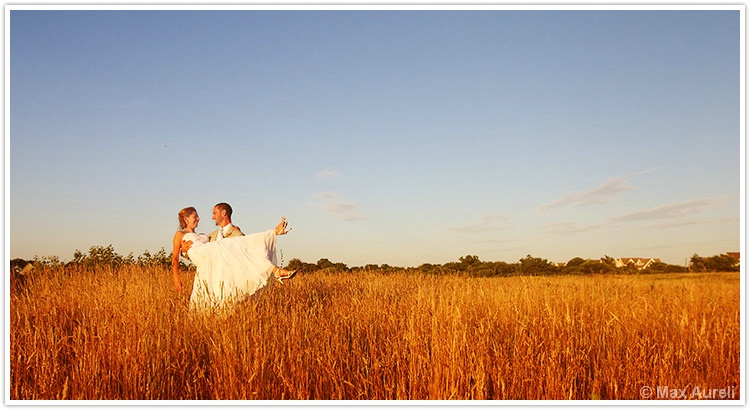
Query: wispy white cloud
{"x": 487, "y": 223}
{"x": 691, "y": 221}
{"x": 326, "y": 196}
{"x": 327, "y": 174}
{"x": 569, "y": 228}
{"x": 677, "y": 210}
{"x": 667, "y": 216}
{"x": 607, "y": 191}
{"x": 331, "y": 204}
{"x": 492, "y": 241}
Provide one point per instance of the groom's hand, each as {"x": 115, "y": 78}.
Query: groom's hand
{"x": 186, "y": 245}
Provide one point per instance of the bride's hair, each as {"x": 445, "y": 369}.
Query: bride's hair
{"x": 184, "y": 213}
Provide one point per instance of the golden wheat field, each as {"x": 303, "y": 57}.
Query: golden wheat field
{"x": 126, "y": 334}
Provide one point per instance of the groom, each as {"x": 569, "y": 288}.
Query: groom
{"x": 222, "y": 215}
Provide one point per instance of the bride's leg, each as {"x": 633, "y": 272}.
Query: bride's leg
{"x": 281, "y": 228}
{"x": 260, "y": 240}
{"x": 280, "y": 274}
{"x": 262, "y": 245}
{"x": 269, "y": 242}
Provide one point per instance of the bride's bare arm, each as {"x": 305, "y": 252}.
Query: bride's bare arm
{"x": 176, "y": 247}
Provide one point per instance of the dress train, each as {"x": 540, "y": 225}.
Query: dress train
{"x": 231, "y": 269}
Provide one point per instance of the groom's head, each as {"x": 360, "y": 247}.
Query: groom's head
{"x": 222, "y": 214}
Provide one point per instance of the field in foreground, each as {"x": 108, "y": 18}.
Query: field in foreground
{"x": 125, "y": 334}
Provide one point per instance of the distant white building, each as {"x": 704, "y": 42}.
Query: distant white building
{"x": 639, "y": 263}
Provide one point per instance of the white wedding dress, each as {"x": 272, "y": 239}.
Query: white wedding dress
{"x": 231, "y": 269}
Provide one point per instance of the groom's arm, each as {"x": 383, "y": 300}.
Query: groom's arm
{"x": 186, "y": 245}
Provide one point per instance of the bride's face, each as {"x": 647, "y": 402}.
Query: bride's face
{"x": 192, "y": 220}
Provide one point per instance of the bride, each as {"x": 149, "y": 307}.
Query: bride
{"x": 227, "y": 270}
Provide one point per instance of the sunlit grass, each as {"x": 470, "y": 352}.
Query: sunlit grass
{"x": 125, "y": 334}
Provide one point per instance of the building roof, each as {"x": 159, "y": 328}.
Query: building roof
{"x": 639, "y": 260}
{"x": 735, "y": 255}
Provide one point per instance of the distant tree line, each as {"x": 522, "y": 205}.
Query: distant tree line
{"x": 716, "y": 263}
{"x": 469, "y": 265}
{"x": 98, "y": 257}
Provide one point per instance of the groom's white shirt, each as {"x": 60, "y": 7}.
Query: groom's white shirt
{"x": 224, "y": 230}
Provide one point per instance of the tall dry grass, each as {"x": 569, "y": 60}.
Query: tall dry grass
{"x": 125, "y": 334}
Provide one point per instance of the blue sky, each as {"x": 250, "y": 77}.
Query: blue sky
{"x": 400, "y": 137}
